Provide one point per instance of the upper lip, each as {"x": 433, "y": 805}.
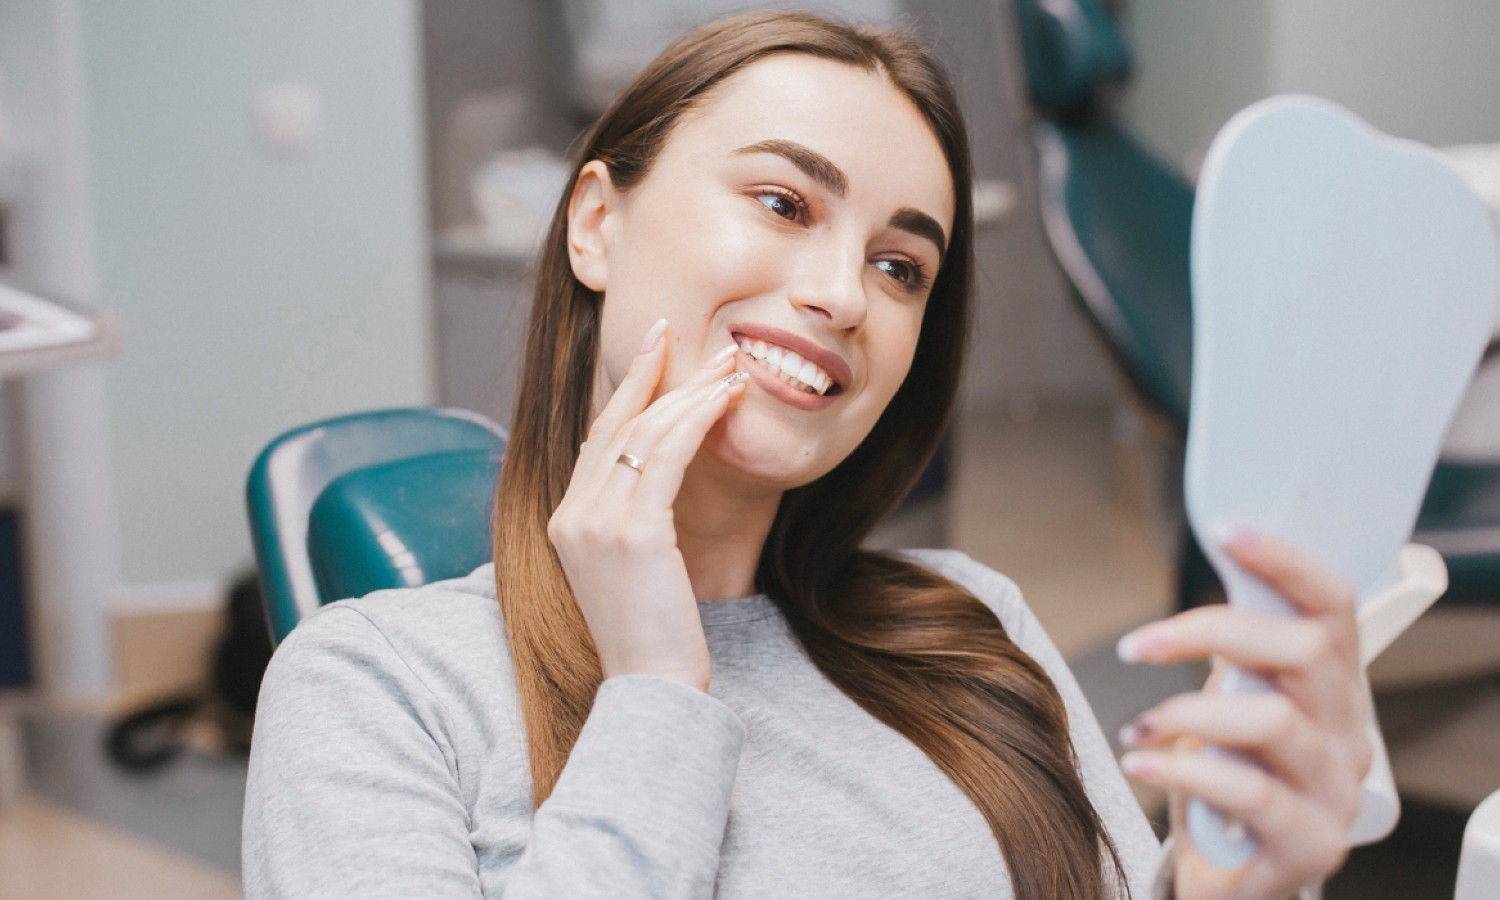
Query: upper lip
{"x": 823, "y": 358}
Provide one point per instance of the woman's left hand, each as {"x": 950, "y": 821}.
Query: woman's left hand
{"x": 1307, "y": 742}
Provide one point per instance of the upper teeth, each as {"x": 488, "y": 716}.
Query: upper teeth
{"x": 789, "y": 366}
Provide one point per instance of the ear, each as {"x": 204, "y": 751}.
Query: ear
{"x": 590, "y": 212}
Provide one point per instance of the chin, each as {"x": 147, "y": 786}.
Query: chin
{"x": 767, "y": 452}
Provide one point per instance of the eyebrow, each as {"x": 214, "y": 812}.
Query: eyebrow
{"x": 822, "y": 170}
{"x": 921, "y": 225}
{"x": 812, "y": 163}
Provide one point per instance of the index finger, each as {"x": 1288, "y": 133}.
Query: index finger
{"x": 634, "y": 392}
{"x": 1299, "y": 577}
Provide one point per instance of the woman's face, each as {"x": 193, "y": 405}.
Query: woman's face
{"x": 802, "y": 208}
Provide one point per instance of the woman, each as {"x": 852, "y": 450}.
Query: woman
{"x": 744, "y": 346}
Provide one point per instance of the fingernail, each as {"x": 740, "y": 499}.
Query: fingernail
{"x": 721, "y": 357}
{"x": 1134, "y": 732}
{"x": 1138, "y": 765}
{"x": 1220, "y": 534}
{"x": 1141, "y": 645}
{"x": 653, "y": 337}
{"x": 1245, "y": 539}
{"x": 1230, "y": 537}
{"x": 727, "y": 382}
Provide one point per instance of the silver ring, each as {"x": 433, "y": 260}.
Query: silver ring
{"x": 634, "y": 462}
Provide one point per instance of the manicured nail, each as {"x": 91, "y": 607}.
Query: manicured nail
{"x": 653, "y": 337}
{"x": 1134, "y": 732}
{"x": 1230, "y": 537}
{"x": 1220, "y": 534}
{"x": 1141, "y": 645}
{"x": 1245, "y": 539}
{"x": 727, "y": 382}
{"x": 721, "y": 357}
{"x": 1139, "y": 765}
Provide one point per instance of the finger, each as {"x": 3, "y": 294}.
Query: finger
{"x": 599, "y": 456}
{"x": 662, "y": 480}
{"x": 1268, "y": 726}
{"x": 1303, "y": 580}
{"x": 1246, "y": 638}
{"x": 1298, "y": 655}
{"x": 640, "y": 437}
{"x": 633, "y": 393}
{"x": 1294, "y": 833}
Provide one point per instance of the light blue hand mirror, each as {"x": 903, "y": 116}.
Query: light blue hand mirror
{"x": 1344, "y": 287}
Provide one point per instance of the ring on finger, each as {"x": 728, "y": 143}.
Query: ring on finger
{"x": 633, "y": 462}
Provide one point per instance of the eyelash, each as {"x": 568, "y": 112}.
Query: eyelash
{"x": 799, "y": 205}
{"x": 915, "y": 281}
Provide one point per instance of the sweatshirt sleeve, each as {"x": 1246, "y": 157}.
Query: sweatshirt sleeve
{"x": 355, "y": 786}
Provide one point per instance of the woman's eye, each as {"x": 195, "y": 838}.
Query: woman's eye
{"x": 781, "y": 205}
{"x": 903, "y": 272}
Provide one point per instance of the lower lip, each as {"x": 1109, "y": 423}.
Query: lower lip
{"x": 779, "y": 389}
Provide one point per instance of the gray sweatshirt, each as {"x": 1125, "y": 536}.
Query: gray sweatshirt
{"x": 389, "y": 761}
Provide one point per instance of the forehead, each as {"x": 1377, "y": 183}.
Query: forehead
{"x": 853, "y": 116}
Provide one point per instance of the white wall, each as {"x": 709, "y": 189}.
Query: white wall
{"x": 1196, "y": 63}
{"x": 1429, "y": 71}
{"x": 1425, "y": 70}
{"x": 258, "y": 292}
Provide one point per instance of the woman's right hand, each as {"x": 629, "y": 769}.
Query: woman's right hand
{"x": 614, "y": 530}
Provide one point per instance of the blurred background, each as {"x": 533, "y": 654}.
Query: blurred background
{"x": 258, "y": 215}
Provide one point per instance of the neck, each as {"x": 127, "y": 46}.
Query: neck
{"x": 722, "y": 525}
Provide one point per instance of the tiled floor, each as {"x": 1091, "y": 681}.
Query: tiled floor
{"x": 1049, "y": 499}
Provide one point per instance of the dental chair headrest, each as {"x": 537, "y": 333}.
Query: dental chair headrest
{"x": 1071, "y": 48}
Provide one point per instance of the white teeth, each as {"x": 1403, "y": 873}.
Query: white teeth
{"x": 788, "y": 365}
{"x": 808, "y": 375}
{"x": 791, "y": 364}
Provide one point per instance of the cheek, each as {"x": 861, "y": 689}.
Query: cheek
{"x": 697, "y": 253}
{"x": 896, "y": 352}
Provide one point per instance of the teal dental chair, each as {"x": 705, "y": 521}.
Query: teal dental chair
{"x": 1119, "y": 220}
{"x": 390, "y": 498}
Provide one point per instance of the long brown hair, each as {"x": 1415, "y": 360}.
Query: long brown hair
{"x": 917, "y": 651}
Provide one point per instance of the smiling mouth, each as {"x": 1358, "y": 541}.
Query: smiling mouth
{"x": 790, "y": 367}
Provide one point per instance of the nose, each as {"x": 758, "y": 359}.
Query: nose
{"x": 828, "y": 281}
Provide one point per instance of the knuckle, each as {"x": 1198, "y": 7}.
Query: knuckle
{"x": 1344, "y": 592}
{"x": 1284, "y": 719}
{"x": 1263, "y": 793}
{"x": 1316, "y": 644}
{"x": 1172, "y": 712}
{"x": 1344, "y": 643}
{"x": 1362, "y": 755}
{"x": 629, "y": 541}
{"x": 1331, "y": 849}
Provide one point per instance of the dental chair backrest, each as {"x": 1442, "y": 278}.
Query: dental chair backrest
{"x": 352, "y": 504}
